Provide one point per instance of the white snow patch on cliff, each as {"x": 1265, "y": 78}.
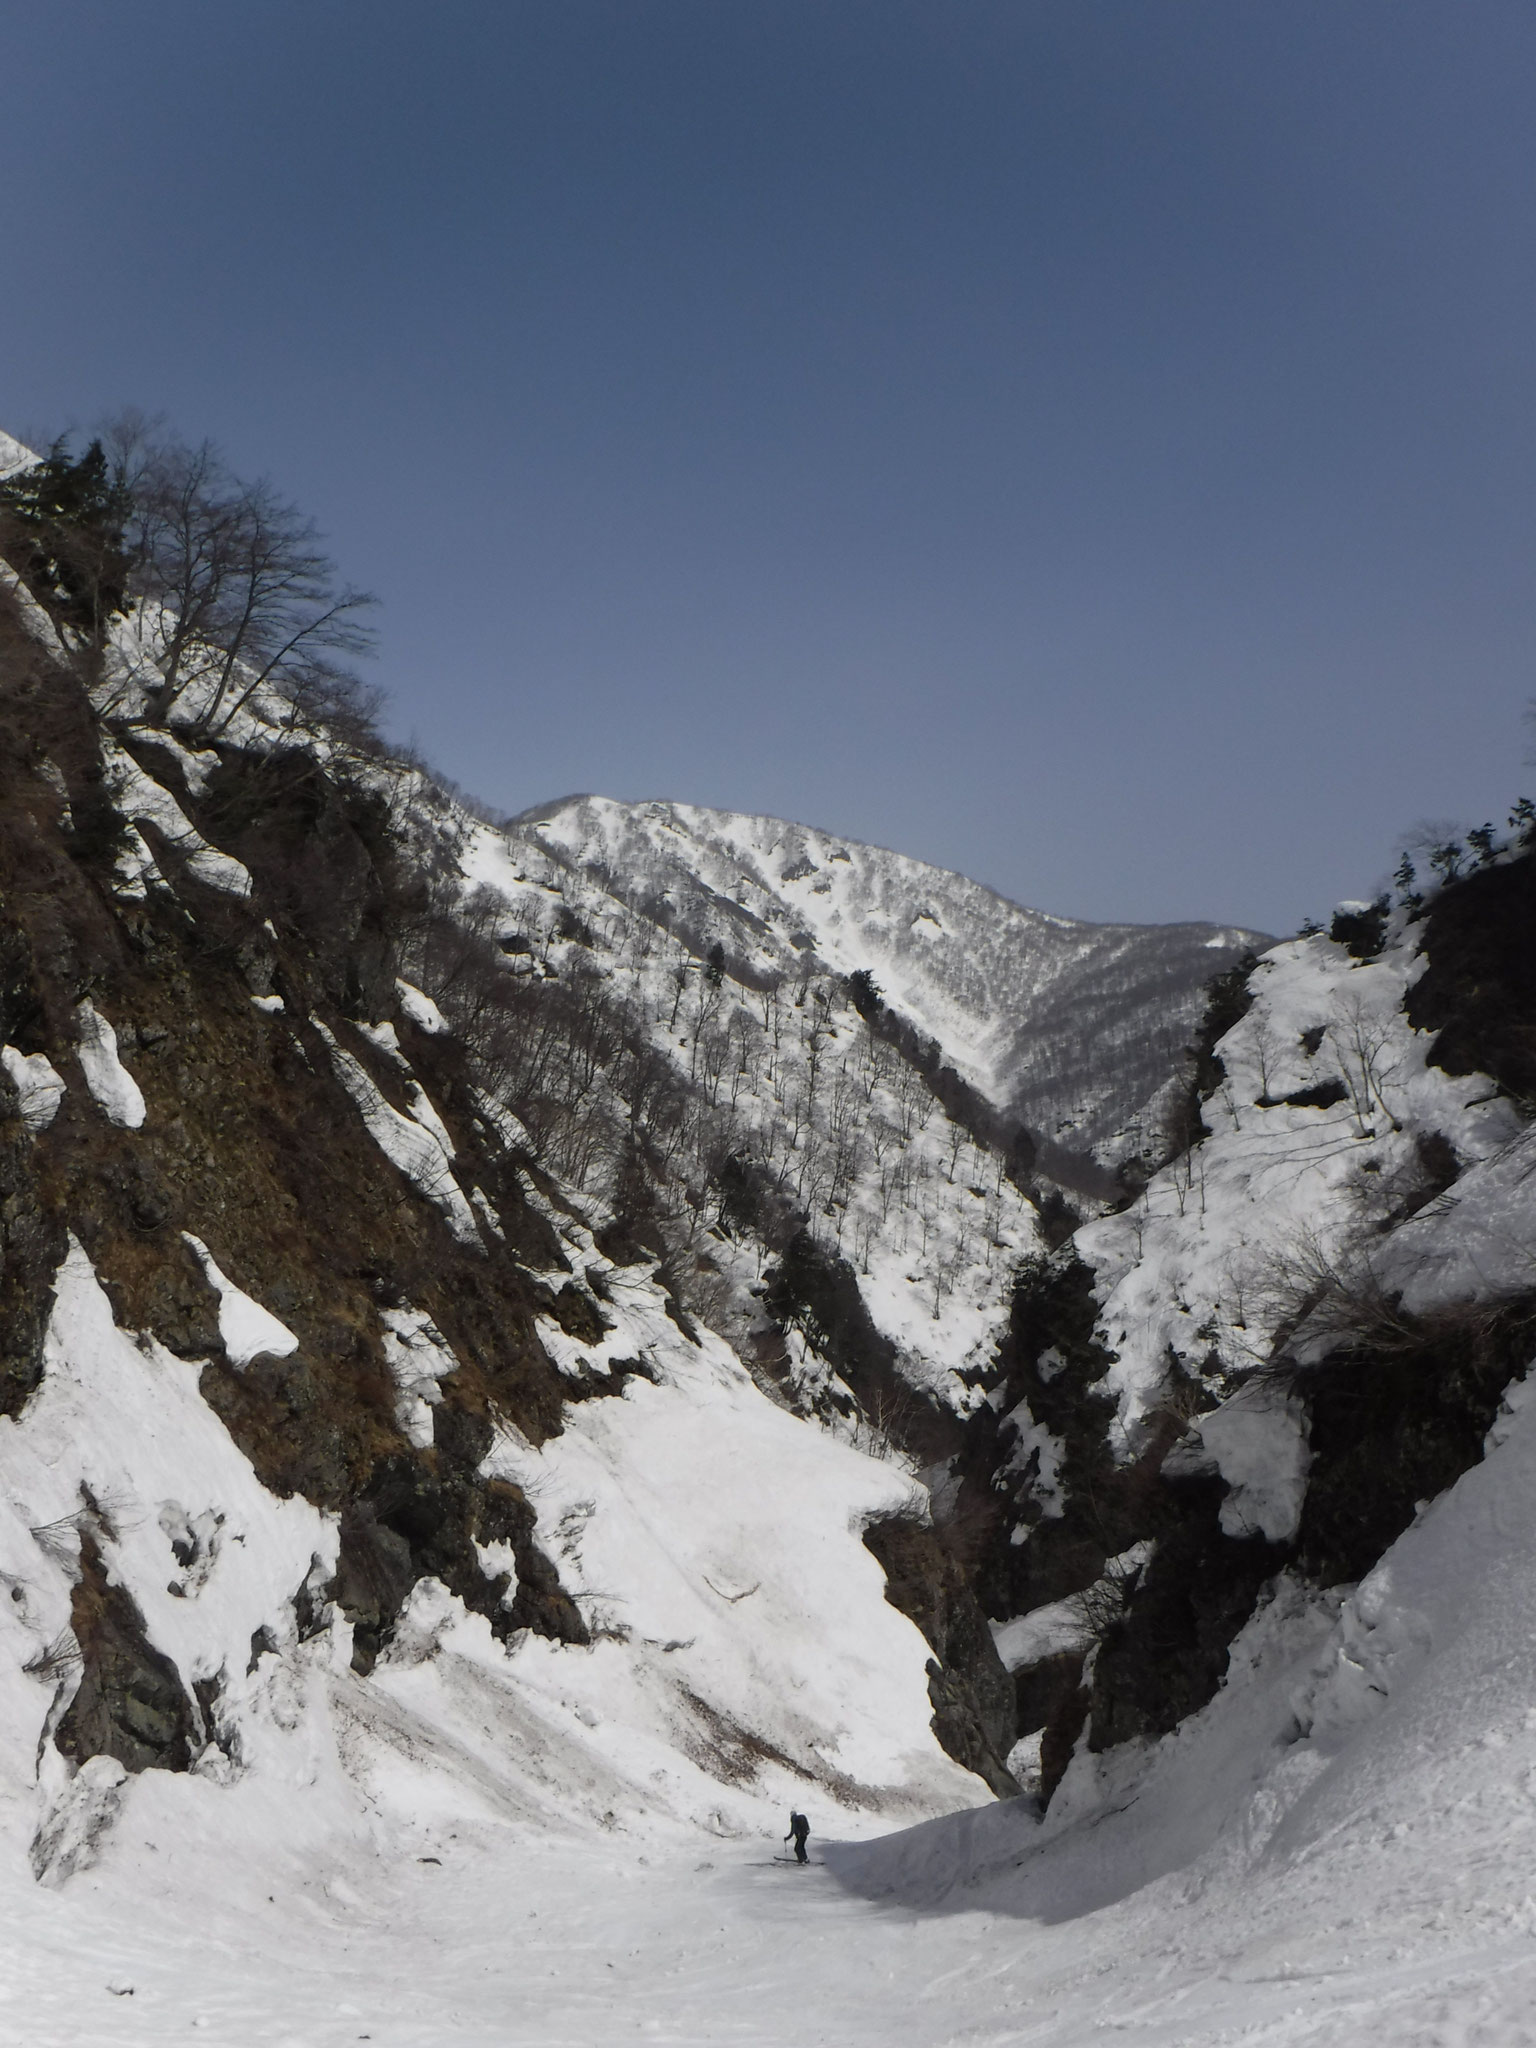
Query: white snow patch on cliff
{"x": 38, "y": 1087}
{"x": 140, "y": 799}
{"x": 418, "y": 1356}
{"x": 113, "y": 1088}
{"x": 1040, "y": 1453}
{"x": 246, "y": 1329}
{"x": 420, "y": 1149}
{"x": 1044, "y": 1632}
{"x": 421, "y": 1010}
{"x": 118, "y": 1446}
{"x": 1257, "y": 1443}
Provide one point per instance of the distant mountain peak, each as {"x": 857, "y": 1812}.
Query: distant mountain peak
{"x": 1004, "y": 989}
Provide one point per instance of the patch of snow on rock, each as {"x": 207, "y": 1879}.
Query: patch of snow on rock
{"x": 1062, "y": 1625}
{"x": 421, "y": 1010}
{"x": 1041, "y": 1449}
{"x": 246, "y": 1329}
{"x": 1257, "y": 1443}
{"x": 418, "y": 1355}
{"x": 139, "y": 797}
{"x": 420, "y": 1150}
{"x": 37, "y": 1085}
{"x": 114, "y": 1089}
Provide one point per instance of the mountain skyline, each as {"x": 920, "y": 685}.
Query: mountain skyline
{"x": 1089, "y": 447}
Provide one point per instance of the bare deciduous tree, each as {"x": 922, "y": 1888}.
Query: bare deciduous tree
{"x": 235, "y": 593}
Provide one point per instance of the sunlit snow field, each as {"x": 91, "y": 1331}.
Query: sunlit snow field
{"x": 1339, "y": 1849}
{"x": 510, "y": 1940}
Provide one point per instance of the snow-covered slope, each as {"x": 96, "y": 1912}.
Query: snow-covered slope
{"x": 339, "y": 1466}
{"x": 1338, "y": 1848}
{"x": 1072, "y": 1027}
{"x": 672, "y": 1508}
{"x": 783, "y": 1077}
{"x": 1291, "y": 1341}
{"x": 1336, "y": 1851}
{"x": 1318, "y": 1133}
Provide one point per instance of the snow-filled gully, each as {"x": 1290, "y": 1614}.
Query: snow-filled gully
{"x": 1341, "y": 1849}
{"x": 532, "y": 1844}
{"x": 543, "y": 1842}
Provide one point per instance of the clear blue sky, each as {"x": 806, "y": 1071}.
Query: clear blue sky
{"x": 1086, "y": 444}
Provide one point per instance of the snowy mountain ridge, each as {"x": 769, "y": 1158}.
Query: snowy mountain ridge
{"x": 1070, "y": 1027}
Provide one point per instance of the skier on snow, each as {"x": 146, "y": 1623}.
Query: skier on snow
{"x": 799, "y": 1828}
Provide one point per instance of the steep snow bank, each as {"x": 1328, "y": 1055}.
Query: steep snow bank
{"x": 743, "y": 1655}
{"x": 1346, "y": 1830}
{"x": 1318, "y": 1137}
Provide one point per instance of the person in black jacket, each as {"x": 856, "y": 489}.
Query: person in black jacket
{"x": 799, "y": 1828}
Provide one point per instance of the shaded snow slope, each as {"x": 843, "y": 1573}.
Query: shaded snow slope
{"x": 1224, "y": 1243}
{"x": 1338, "y": 1848}
{"x": 1072, "y": 1026}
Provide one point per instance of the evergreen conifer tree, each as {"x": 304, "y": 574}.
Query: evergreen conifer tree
{"x": 61, "y": 530}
